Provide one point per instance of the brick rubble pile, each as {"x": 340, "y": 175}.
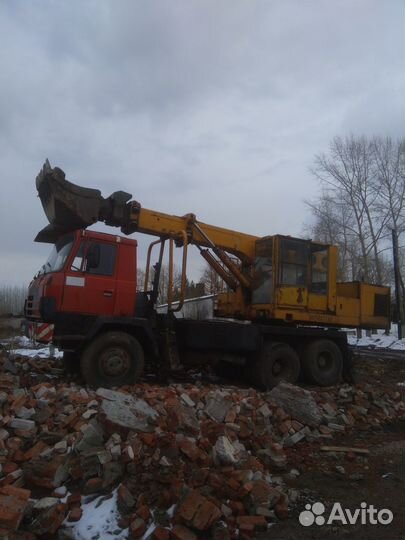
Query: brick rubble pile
{"x": 185, "y": 461}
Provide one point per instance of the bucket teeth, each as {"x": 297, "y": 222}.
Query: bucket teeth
{"x": 69, "y": 207}
{"x": 66, "y": 205}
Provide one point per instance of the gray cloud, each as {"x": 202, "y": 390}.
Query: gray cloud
{"x": 213, "y": 108}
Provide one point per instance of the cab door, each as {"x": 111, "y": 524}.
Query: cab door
{"x": 91, "y": 279}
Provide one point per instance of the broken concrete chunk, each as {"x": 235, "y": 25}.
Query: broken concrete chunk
{"x": 20, "y": 423}
{"x": 295, "y": 438}
{"x": 264, "y": 410}
{"x": 92, "y": 437}
{"x": 123, "y": 412}
{"x": 218, "y": 405}
{"x": 186, "y": 399}
{"x": 297, "y": 402}
{"x": 44, "y": 503}
{"x": 25, "y": 413}
{"x": 225, "y": 451}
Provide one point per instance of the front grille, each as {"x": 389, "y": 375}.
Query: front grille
{"x": 29, "y": 306}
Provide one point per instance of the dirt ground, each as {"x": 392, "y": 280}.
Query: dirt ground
{"x": 378, "y": 479}
{"x": 9, "y": 326}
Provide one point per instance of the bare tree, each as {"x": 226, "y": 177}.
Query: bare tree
{"x": 213, "y": 284}
{"x": 362, "y": 193}
{"x": 140, "y": 279}
{"x": 12, "y": 299}
{"x": 332, "y": 223}
{"x": 163, "y": 287}
{"x": 390, "y": 184}
{"x": 389, "y": 181}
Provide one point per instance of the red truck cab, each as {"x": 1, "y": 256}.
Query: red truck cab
{"x": 88, "y": 273}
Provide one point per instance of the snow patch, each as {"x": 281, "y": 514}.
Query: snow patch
{"x": 99, "y": 520}
{"x": 387, "y": 342}
{"x": 44, "y": 352}
{"x": 378, "y": 341}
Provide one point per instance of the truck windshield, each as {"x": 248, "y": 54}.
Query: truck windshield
{"x": 58, "y": 255}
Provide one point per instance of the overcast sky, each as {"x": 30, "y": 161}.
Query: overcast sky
{"x": 215, "y": 108}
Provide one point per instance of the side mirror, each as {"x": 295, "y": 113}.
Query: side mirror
{"x": 93, "y": 256}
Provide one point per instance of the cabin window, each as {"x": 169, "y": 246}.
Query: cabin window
{"x": 77, "y": 263}
{"x": 106, "y": 260}
{"x": 263, "y": 273}
{"x": 319, "y": 269}
{"x": 294, "y": 263}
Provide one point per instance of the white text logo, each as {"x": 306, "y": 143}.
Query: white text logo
{"x": 366, "y": 514}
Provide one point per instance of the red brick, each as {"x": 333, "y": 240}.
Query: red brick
{"x": 237, "y": 507}
{"x": 233, "y": 484}
{"x": 137, "y": 528}
{"x": 9, "y": 467}
{"x": 74, "y": 500}
{"x": 263, "y": 494}
{"x": 281, "y": 508}
{"x": 49, "y": 521}
{"x": 247, "y": 522}
{"x": 125, "y": 499}
{"x": 215, "y": 480}
{"x": 93, "y": 485}
{"x": 190, "y": 505}
{"x": 13, "y": 502}
{"x": 18, "y": 402}
{"x": 75, "y": 514}
{"x": 189, "y": 449}
{"x": 231, "y": 416}
{"x": 284, "y": 427}
{"x": 179, "y": 532}
{"x": 199, "y": 477}
{"x": 143, "y": 512}
{"x": 254, "y": 464}
{"x": 44, "y": 473}
{"x": 161, "y": 534}
{"x": 149, "y": 439}
{"x": 14, "y": 443}
{"x": 206, "y": 515}
{"x": 296, "y": 425}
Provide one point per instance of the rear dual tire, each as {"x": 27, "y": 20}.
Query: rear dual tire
{"x": 322, "y": 363}
{"x": 277, "y": 362}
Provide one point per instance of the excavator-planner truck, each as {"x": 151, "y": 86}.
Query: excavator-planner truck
{"x": 280, "y": 317}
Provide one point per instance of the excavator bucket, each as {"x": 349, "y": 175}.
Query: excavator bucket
{"x": 69, "y": 207}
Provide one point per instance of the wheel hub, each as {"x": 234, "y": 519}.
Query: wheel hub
{"x": 323, "y": 361}
{"x": 115, "y": 362}
{"x": 277, "y": 368}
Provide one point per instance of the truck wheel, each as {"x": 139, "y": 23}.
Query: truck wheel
{"x": 277, "y": 362}
{"x": 322, "y": 363}
{"x": 112, "y": 359}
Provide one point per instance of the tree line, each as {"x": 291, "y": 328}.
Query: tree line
{"x": 12, "y": 299}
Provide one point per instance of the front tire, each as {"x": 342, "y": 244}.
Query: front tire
{"x": 112, "y": 359}
{"x": 277, "y": 362}
{"x": 322, "y": 362}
